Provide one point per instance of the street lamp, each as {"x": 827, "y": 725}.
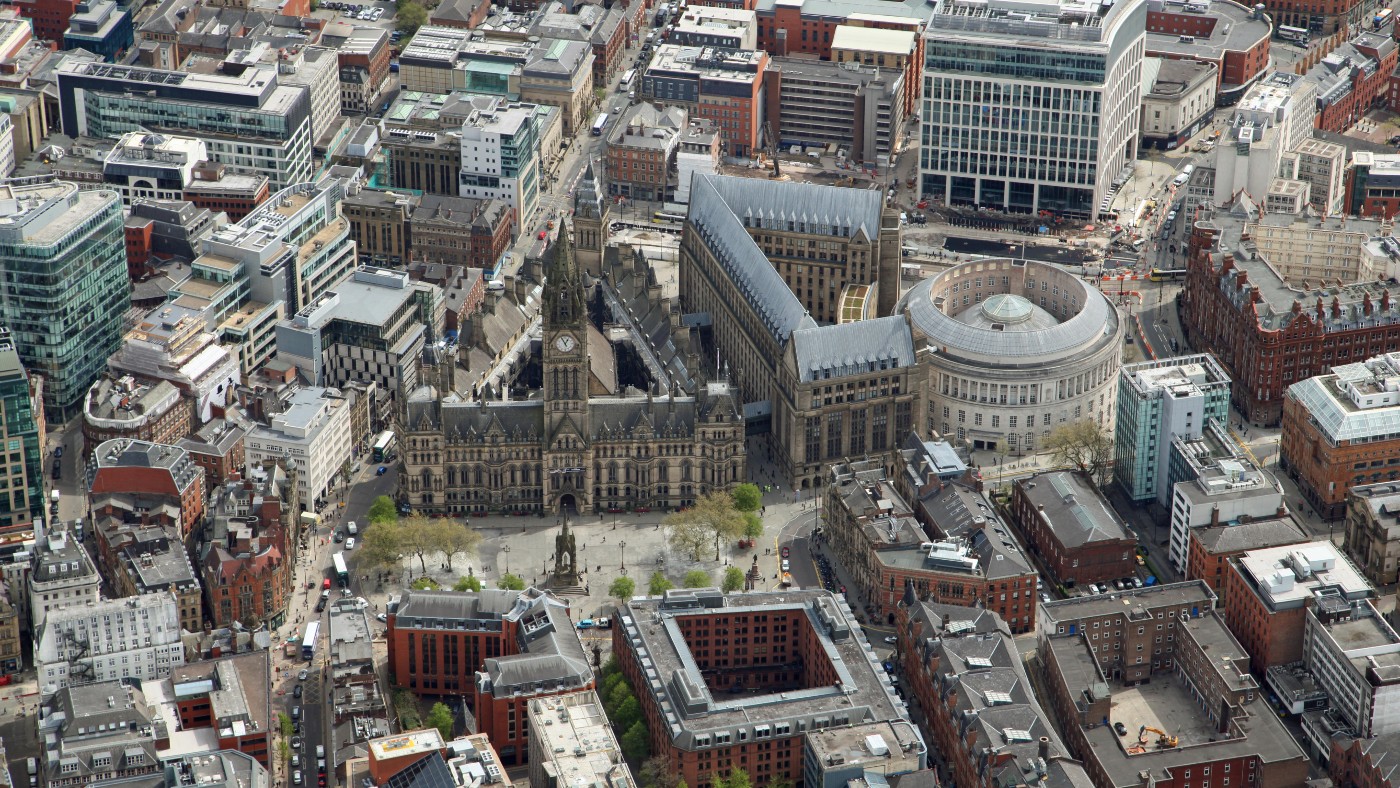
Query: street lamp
{"x": 506, "y": 550}
{"x": 623, "y": 547}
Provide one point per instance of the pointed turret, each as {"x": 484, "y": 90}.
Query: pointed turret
{"x": 591, "y": 213}
{"x": 563, "y": 289}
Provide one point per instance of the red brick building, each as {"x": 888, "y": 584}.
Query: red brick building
{"x": 1268, "y": 592}
{"x": 246, "y": 565}
{"x": 1078, "y": 536}
{"x": 160, "y": 475}
{"x": 499, "y": 649}
{"x": 50, "y": 17}
{"x": 1231, "y": 36}
{"x": 960, "y": 559}
{"x": 1365, "y": 763}
{"x": 217, "y": 189}
{"x": 1354, "y": 79}
{"x": 747, "y": 675}
{"x": 1211, "y": 548}
{"x": 232, "y": 695}
{"x": 1267, "y": 335}
{"x": 217, "y": 447}
{"x": 1323, "y": 17}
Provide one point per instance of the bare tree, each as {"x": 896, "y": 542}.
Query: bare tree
{"x": 1086, "y": 445}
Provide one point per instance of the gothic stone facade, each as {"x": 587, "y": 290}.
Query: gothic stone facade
{"x": 563, "y": 448}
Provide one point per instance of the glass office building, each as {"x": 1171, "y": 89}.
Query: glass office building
{"x": 1031, "y": 107}
{"x": 63, "y": 258}
{"x": 22, "y": 473}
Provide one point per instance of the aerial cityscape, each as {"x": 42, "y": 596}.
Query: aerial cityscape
{"x": 699, "y": 394}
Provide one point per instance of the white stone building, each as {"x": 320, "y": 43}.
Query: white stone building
{"x": 312, "y": 432}
{"x": 500, "y": 159}
{"x": 133, "y": 637}
{"x": 63, "y": 575}
{"x": 144, "y": 165}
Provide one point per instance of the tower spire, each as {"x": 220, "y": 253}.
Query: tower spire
{"x": 563, "y": 287}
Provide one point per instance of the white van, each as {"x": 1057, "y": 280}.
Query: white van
{"x": 352, "y": 529}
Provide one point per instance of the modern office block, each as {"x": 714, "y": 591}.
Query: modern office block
{"x": 1158, "y": 400}
{"x": 21, "y": 428}
{"x": 1031, "y": 107}
{"x": 64, "y": 259}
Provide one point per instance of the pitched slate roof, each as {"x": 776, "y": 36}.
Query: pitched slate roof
{"x": 882, "y": 343}
{"x": 714, "y": 218}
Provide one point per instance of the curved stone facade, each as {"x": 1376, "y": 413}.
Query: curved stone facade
{"x": 1014, "y": 349}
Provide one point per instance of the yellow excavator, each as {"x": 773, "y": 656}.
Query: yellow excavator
{"x": 1164, "y": 740}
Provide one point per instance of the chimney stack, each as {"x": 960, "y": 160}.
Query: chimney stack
{"x": 1045, "y": 747}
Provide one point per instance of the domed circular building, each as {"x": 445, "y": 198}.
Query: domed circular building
{"x": 1016, "y": 348}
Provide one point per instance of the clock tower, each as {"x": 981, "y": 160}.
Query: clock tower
{"x": 566, "y": 376}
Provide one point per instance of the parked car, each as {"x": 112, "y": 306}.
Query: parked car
{"x": 787, "y": 565}
{"x": 296, "y": 691}
{"x": 891, "y": 639}
{"x": 381, "y": 617}
{"x": 296, "y": 777}
{"x": 303, "y": 675}
{"x": 297, "y": 743}
{"x": 1137, "y": 582}
{"x": 786, "y": 551}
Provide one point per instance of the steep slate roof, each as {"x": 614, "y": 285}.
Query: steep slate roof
{"x": 853, "y": 347}
{"x": 755, "y": 277}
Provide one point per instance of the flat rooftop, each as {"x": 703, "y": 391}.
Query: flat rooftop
{"x": 1169, "y": 706}
{"x": 1137, "y": 601}
{"x": 576, "y": 734}
{"x": 1286, "y": 577}
{"x": 405, "y": 744}
{"x": 1234, "y": 30}
{"x": 862, "y": 692}
{"x": 874, "y": 39}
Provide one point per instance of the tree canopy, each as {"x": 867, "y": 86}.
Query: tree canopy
{"x": 697, "y": 578}
{"x": 714, "y": 516}
{"x": 383, "y": 510}
{"x": 623, "y": 589}
{"x": 440, "y": 717}
{"x": 747, "y": 497}
{"x": 1084, "y": 444}
{"x": 511, "y": 582}
{"x": 733, "y": 579}
{"x": 658, "y": 584}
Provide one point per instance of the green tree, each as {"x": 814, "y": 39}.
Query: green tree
{"x": 284, "y": 751}
{"x": 440, "y": 717}
{"x": 469, "y": 583}
{"x": 713, "y": 515}
{"x": 697, "y": 578}
{"x": 753, "y": 525}
{"x": 627, "y": 713}
{"x": 1084, "y": 444}
{"x": 425, "y": 584}
{"x": 511, "y": 582}
{"x": 383, "y": 510}
{"x": 617, "y": 697}
{"x": 611, "y": 666}
{"x": 418, "y": 536}
{"x": 636, "y": 742}
{"x": 610, "y": 683}
{"x": 455, "y": 538}
{"x": 285, "y": 723}
{"x": 658, "y": 584}
{"x": 623, "y": 589}
{"x": 381, "y": 547}
{"x": 656, "y": 773}
{"x": 733, "y": 579}
{"x": 409, "y": 17}
{"x": 738, "y": 778}
{"x": 747, "y": 497}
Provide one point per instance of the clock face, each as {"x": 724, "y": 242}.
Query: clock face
{"x": 565, "y": 343}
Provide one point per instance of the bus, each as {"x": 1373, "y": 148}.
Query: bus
{"x": 1382, "y": 17}
{"x": 1167, "y": 274}
{"x": 662, "y": 217}
{"x": 631, "y": 74}
{"x": 342, "y": 575}
{"x": 1295, "y": 34}
{"x": 308, "y": 640}
{"x": 384, "y": 446}
{"x": 599, "y": 124}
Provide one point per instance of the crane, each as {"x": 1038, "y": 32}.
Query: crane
{"x": 772, "y": 146}
{"x": 1164, "y": 739}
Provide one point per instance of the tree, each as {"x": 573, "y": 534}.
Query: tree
{"x": 425, "y": 583}
{"x": 440, "y": 717}
{"x": 409, "y": 17}
{"x": 623, "y": 589}
{"x": 636, "y": 742}
{"x": 713, "y": 515}
{"x": 611, "y": 666}
{"x": 656, "y": 773}
{"x": 747, "y": 497}
{"x": 738, "y": 778}
{"x": 688, "y": 537}
{"x": 455, "y": 538}
{"x": 511, "y": 582}
{"x": 610, "y": 683}
{"x": 285, "y": 723}
{"x": 470, "y": 583}
{"x": 381, "y": 547}
{"x": 284, "y": 751}
{"x": 418, "y": 535}
{"x": 1084, "y": 444}
{"x": 753, "y": 525}
{"x": 628, "y": 712}
{"x": 697, "y": 578}
{"x": 406, "y": 707}
{"x": 383, "y": 510}
{"x": 658, "y": 584}
{"x": 733, "y": 579}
